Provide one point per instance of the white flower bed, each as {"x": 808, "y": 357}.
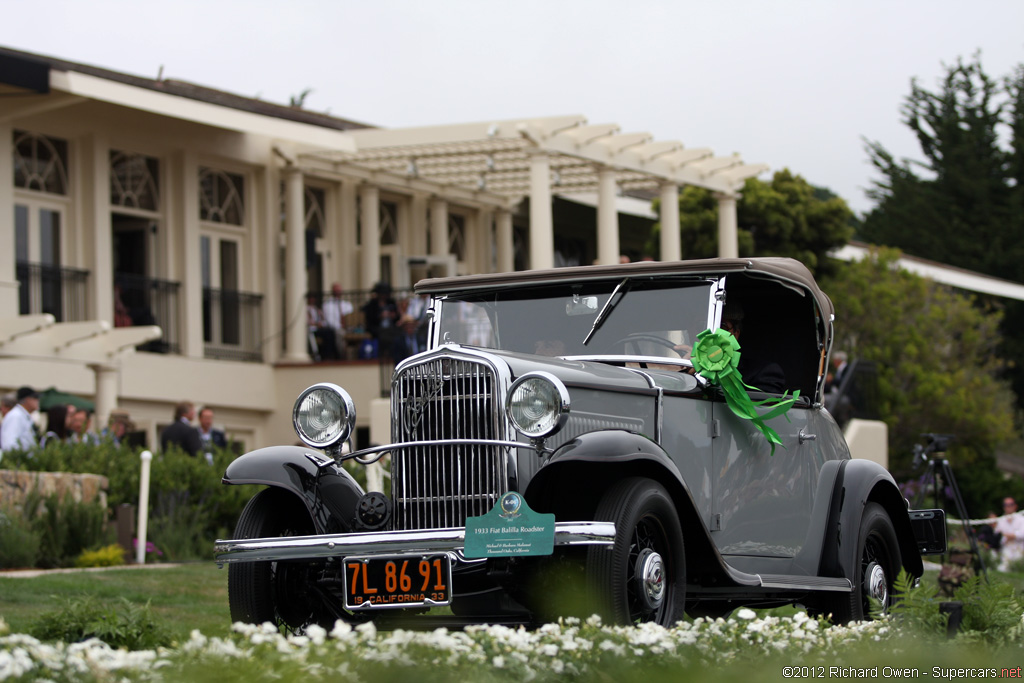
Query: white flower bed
{"x": 569, "y": 649}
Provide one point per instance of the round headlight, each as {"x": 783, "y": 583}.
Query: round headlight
{"x": 324, "y": 415}
{"x": 538, "y": 404}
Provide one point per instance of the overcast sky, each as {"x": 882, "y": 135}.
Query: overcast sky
{"x": 790, "y": 84}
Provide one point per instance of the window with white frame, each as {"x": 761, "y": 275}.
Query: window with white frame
{"x": 41, "y": 210}
{"x": 229, "y": 325}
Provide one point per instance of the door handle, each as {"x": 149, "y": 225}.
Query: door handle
{"x": 803, "y": 436}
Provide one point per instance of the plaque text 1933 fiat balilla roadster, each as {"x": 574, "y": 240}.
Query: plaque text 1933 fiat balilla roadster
{"x": 638, "y": 441}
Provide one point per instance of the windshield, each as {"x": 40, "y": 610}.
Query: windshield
{"x": 624, "y": 317}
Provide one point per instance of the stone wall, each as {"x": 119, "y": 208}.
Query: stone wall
{"x": 15, "y": 484}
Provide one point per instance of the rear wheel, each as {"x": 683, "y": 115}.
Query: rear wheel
{"x": 282, "y": 593}
{"x": 879, "y": 562}
{"x": 642, "y": 576}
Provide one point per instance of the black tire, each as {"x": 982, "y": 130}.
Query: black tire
{"x": 279, "y": 592}
{"x": 648, "y": 542}
{"x": 879, "y": 563}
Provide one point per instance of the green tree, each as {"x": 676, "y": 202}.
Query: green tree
{"x": 784, "y": 217}
{"x": 958, "y": 205}
{"x": 964, "y": 204}
{"x": 936, "y": 355}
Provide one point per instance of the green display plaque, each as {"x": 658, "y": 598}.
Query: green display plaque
{"x": 511, "y": 528}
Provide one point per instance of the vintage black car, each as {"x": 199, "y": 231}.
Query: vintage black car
{"x": 568, "y": 444}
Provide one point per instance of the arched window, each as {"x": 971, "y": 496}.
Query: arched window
{"x": 40, "y": 163}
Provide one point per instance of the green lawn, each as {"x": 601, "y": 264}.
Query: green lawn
{"x": 183, "y": 597}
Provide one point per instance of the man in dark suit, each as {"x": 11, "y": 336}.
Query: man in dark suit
{"x": 181, "y": 433}
{"x": 207, "y": 432}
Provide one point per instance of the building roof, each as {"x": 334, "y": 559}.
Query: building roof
{"x": 20, "y": 72}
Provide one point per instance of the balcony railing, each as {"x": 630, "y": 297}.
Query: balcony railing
{"x": 233, "y": 325}
{"x": 56, "y": 290}
{"x": 149, "y": 301}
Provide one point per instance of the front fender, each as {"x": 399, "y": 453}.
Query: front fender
{"x": 573, "y": 479}
{"x": 862, "y": 482}
{"x": 327, "y": 490}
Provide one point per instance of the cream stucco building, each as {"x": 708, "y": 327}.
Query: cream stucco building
{"x": 162, "y": 236}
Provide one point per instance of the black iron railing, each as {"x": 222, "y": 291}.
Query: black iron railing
{"x": 233, "y": 325}
{"x": 149, "y": 301}
{"x": 56, "y": 290}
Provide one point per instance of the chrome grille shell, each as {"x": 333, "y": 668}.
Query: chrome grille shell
{"x": 450, "y": 394}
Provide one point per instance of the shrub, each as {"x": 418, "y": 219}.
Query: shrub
{"x": 66, "y": 527}
{"x": 19, "y": 543}
{"x": 107, "y": 556}
{"x": 118, "y": 623}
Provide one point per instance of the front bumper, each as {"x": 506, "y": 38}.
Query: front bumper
{"x": 368, "y": 544}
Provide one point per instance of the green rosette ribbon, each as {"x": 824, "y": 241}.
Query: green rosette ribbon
{"x": 716, "y": 356}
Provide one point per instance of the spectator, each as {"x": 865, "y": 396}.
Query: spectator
{"x": 7, "y": 401}
{"x": 1011, "y": 526}
{"x": 79, "y": 430}
{"x": 56, "y": 424}
{"x": 321, "y": 337}
{"x": 335, "y": 309}
{"x": 118, "y": 425}
{"x": 181, "y": 433}
{"x": 381, "y": 313}
{"x": 209, "y": 436}
{"x": 18, "y": 432}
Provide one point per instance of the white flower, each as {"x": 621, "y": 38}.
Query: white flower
{"x": 498, "y": 662}
{"x": 746, "y": 614}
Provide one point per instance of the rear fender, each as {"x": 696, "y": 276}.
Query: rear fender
{"x": 860, "y": 483}
{"x": 325, "y": 488}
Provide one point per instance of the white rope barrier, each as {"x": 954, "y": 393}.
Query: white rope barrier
{"x": 979, "y": 522}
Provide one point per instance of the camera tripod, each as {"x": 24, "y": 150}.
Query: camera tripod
{"x": 932, "y": 454}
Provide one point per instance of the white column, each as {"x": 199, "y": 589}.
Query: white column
{"x": 348, "y": 252}
{"x": 418, "y": 225}
{"x": 607, "y": 218}
{"x": 728, "y": 243}
{"x": 99, "y": 245}
{"x": 296, "y": 339}
{"x": 484, "y": 246}
{"x": 185, "y": 261}
{"x": 542, "y": 235}
{"x": 8, "y": 275}
{"x": 670, "y": 247}
{"x": 369, "y": 220}
{"x": 106, "y": 392}
{"x": 438, "y": 227}
{"x": 506, "y": 244}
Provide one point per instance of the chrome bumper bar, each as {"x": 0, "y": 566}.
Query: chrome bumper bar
{"x": 387, "y": 543}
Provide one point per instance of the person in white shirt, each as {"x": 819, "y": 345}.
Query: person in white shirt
{"x": 18, "y": 431}
{"x": 335, "y": 309}
{"x": 1011, "y": 526}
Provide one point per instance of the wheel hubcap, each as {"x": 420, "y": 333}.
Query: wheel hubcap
{"x": 875, "y": 585}
{"x": 650, "y": 576}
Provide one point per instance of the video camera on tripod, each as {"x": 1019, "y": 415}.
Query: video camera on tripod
{"x": 939, "y": 466}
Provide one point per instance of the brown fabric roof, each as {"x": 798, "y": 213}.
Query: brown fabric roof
{"x": 785, "y": 269}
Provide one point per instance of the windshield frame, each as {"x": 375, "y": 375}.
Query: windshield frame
{"x": 677, "y": 289}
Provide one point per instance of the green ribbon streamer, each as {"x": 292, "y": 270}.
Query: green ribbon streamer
{"x": 716, "y": 356}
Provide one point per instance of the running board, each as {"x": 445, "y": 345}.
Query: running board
{"x": 790, "y": 582}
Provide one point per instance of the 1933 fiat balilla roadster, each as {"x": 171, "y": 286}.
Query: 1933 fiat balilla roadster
{"x": 581, "y": 431}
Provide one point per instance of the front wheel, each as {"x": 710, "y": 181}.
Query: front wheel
{"x": 642, "y": 576}
{"x": 282, "y": 593}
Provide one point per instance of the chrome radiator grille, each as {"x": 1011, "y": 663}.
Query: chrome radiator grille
{"x": 439, "y": 486}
